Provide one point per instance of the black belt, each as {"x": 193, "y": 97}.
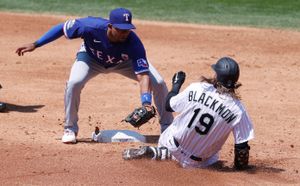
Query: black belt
{"x": 195, "y": 158}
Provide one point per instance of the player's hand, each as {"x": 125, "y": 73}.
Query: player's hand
{"x": 178, "y": 78}
{"x": 25, "y": 48}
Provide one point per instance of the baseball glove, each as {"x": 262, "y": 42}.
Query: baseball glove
{"x": 140, "y": 115}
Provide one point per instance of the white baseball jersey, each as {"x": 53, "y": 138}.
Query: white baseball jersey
{"x": 205, "y": 121}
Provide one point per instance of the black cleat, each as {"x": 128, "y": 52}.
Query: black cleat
{"x": 2, "y": 107}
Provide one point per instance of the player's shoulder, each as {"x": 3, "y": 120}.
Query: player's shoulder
{"x": 201, "y": 85}
{"x": 93, "y": 22}
{"x": 240, "y": 105}
{"x": 134, "y": 43}
{"x": 133, "y": 38}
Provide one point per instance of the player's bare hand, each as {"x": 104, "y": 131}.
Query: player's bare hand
{"x": 148, "y": 107}
{"x": 25, "y": 48}
{"x": 178, "y": 78}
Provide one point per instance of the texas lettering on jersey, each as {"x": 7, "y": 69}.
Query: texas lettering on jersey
{"x": 107, "y": 58}
{"x": 93, "y": 31}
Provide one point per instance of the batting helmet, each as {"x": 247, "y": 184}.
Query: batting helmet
{"x": 227, "y": 71}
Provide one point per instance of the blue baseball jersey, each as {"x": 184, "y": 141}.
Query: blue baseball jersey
{"x": 93, "y": 31}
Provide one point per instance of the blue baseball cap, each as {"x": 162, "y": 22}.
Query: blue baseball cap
{"x": 121, "y": 18}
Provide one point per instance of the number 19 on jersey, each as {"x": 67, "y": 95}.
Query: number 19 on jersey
{"x": 206, "y": 121}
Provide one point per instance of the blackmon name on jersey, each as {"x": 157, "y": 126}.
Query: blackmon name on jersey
{"x": 213, "y": 104}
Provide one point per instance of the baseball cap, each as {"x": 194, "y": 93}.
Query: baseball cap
{"x": 121, "y": 18}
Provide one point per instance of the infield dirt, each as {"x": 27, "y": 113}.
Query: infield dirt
{"x": 33, "y": 86}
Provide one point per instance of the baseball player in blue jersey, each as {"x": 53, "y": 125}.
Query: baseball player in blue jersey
{"x": 208, "y": 112}
{"x": 108, "y": 46}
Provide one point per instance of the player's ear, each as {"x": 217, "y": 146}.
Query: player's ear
{"x": 109, "y": 25}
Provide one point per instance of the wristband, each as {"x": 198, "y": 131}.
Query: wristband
{"x": 146, "y": 98}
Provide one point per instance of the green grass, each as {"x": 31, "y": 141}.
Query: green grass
{"x": 259, "y": 13}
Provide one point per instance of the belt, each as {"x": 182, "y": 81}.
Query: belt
{"x": 195, "y": 158}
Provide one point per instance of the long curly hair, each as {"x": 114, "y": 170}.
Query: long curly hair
{"x": 221, "y": 89}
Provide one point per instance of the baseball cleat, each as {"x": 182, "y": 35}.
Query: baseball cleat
{"x": 2, "y": 107}
{"x": 69, "y": 137}
{"x": 142, "y": 152}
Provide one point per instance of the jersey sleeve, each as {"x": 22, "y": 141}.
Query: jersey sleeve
{"x": 243, "y": 131}
{"x": 73, "y": 28}
{"x": 138, "y": 55}
{"x": 179, "y": 102}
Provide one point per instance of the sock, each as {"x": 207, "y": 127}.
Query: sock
{"x": 160, "y": 153}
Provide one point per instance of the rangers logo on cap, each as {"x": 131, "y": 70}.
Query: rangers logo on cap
{"x": 121, "y": 18}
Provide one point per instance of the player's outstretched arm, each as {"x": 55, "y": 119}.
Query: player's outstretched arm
{"x": 53, "y": 34}
{"x": 177, "y": 81}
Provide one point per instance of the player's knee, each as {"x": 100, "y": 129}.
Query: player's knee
{"x": 156, "y": 79}
{"x": 74, "y": 86}
{"x": 159, "y": 83}
{"x": 160, "y": 90}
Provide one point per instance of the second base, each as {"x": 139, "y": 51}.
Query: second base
{"x": 108, "y": 136}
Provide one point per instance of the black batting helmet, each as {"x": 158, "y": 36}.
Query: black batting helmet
{"x": 227, "y": 71}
